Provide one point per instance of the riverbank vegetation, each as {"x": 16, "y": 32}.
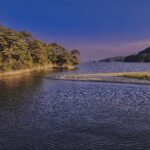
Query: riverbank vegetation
{"x": 20, "y": 50}
{"x": 143, "y": 76}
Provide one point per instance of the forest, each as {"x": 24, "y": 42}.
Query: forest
{"x": 20, "y": 50}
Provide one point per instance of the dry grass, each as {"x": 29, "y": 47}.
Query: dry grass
{"x": 144, "y": 76}
{"x": 112, "y": 74}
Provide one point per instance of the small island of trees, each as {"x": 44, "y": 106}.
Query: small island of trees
{"x": 19, "y": 50}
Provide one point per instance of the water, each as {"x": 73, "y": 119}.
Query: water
{"x": 111, "y": 67}
{"x": 41, "y": 114}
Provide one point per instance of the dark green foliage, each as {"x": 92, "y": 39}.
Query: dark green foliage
{"x": 143, "y": 56}
{"x": 75, "y": 56}
{"x": 19, "y": 50}
{"x": 131, "y": 58}
{"x": 145, "y": 51}
{"x": 113, "y": 59}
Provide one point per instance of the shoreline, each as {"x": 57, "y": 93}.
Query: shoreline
{"x": 38, "y": 68}
{"x": 118, "y": 77}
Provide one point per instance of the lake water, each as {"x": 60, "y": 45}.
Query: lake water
{"x": 41, "y": 114}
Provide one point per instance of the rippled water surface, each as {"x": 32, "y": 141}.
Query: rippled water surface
{"x": 41, "y": 114}
{"x": 112, "y": 67}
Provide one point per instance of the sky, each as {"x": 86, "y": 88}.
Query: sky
{"x": 98, "y": 28}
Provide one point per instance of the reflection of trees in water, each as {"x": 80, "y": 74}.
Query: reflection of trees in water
{"x": 13, "y": 82}
{"x": 20, "y": 89}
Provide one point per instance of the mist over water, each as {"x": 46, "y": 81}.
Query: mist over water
{"x": 39, "y": 113}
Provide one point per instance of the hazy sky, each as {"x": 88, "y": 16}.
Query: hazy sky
{"x": 99, "y": 28}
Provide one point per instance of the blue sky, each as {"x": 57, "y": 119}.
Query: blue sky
{"x": 99, "y": 28}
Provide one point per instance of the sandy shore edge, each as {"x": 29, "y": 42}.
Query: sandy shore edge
{"x": 38, "y": 68}
{"x": 114, "y": 77}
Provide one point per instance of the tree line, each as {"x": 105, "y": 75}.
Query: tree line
{"x": 142, "y": 56}
{"x": 20, "y": 50}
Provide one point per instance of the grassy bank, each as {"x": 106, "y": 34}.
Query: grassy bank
{"x": 111, "y": 74}
{"x": 119, "y": 77}
{"x": 142, "y": 76}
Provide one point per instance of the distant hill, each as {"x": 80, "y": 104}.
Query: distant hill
{"x": 20, "y": 50}
{"x": 113, "y": 59}
{"x": 142, "y": 56}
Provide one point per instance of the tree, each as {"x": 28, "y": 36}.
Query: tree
{"x": 19, "y": 50}
{"x": 75, "y": 54}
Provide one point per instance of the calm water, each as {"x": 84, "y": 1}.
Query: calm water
{"x": 41, "y": 114}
